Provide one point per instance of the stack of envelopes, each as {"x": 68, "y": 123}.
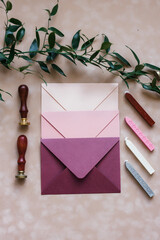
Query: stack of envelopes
{"x": 80, "y": 150}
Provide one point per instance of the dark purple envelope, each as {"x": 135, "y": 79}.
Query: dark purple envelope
{"x": 80, "y": 165}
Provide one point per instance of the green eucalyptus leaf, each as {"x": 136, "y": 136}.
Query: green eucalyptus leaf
{"x": 43, "y": 66}
{"x": 21, "y": 69}
{"x": 11, "y": 54}
{"x": 110, "y": 63}
{"x": 51, "y": 40}
{"x": 94, "y": 55}
{"x": 135, "y": 55}
{"x": 20, "y": 34}
{"x": 139, "y": 67}
{"x": 37, "y": 38}
{"x": 47, "y": 10}
{"x": 9, "y": 39}
{"x": 100, "y": 59}
{"x": 107, "y": 41}
{"x": 82, "y": 59}
{"x": 5, "y": 64}
{"x": 8, "y": 6}
{"x": 51, "y": 56}
{"x": 117, "y": 67}
{"x": 56, "y": 31}
{"x": 121, "y": 59}
{"x": 13, "y": 28}
{"x": 42, "y": 29}
{"x": 153, "y": 83}
{"x": 66, "y": 49}
{"x": 26, "y": 58}
{"x": 58, "y": 69}
{"x": 126, "y": 83}
{"x": 76, "y": 40}
{"x": 15, "y": 21}
{"x": 150, "y": 88}
{"x": 114, "y": 67}
{"x": 95, "y": 64}
{"x": 153, "y": 67}
{"x": 133, "y": 74}
{"x": 33, "y": 49}
{"x": 1, "y": 98}
{"x": 73, "y": 56}
{"x": 2, "y": 57}
{"x": 106, "y": 46}
{"x": 87, "y": 44}
{"x": 68, "y": 57}
{"x": 106, "y": 38}
{"x": 54, "y": 10}
{"x": 5, "y": 92}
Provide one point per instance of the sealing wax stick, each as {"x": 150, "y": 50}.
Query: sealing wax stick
{"x": 139, "y": 109}
{"x": 139, "y": 133}
{"x": 139, "y": 179}
{"x": 139, "y": 156}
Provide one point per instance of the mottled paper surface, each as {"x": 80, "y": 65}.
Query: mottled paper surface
{"x": 131, "y": 215}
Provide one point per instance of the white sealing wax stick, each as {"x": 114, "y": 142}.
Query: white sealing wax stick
{"x": 139, "y": 156}
{"x": 139, "y": 179}
{"x": 139, "y": 133}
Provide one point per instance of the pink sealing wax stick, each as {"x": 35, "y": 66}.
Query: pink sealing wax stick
{"x": 139, "y": 133}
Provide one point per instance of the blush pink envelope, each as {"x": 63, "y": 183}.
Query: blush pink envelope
{"x": 84, "y": 124}
{"x": 79, "y": 97}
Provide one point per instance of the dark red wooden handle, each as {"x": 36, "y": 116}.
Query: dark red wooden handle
{"x": 22, "y": 147}
{"x": 23, "y": 94}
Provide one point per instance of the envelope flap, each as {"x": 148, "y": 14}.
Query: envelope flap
{"x": 80, "y": 96}
{"x": 80, "y": 155}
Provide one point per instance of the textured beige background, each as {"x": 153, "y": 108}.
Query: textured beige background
{"x": 24, "y": 213}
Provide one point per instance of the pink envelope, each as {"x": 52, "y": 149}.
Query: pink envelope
{"x": 80, "y": 152}
{"x": 84, "y": 124}
{"x": 79, "y": 97}
{"x": 78, "y": 165}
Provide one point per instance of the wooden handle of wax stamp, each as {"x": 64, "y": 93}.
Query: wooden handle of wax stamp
{"x": 22, "y": 147}
{"x": 23, "y": 94}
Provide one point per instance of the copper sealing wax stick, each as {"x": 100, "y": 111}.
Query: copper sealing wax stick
{"x": 23, "y": 94}
{"x": 139, "y": 109}
{"x": 22, "y": 147}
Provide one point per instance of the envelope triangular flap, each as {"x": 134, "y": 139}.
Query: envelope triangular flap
{"x": 82, "y": 124}
{"x": 80, "y": 155}
{"x": 80, "y": 96}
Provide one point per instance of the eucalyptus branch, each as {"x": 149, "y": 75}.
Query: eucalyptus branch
{"x": 81, "y": 50}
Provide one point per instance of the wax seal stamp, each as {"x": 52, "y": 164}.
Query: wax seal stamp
{"x": 23, "y": 94}
{"x": 22, "y": 146}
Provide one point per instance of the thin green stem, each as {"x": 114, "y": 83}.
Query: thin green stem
{"x": 43, "y": 46}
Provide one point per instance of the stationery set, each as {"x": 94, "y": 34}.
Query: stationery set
{"x": 80, "y": 139}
